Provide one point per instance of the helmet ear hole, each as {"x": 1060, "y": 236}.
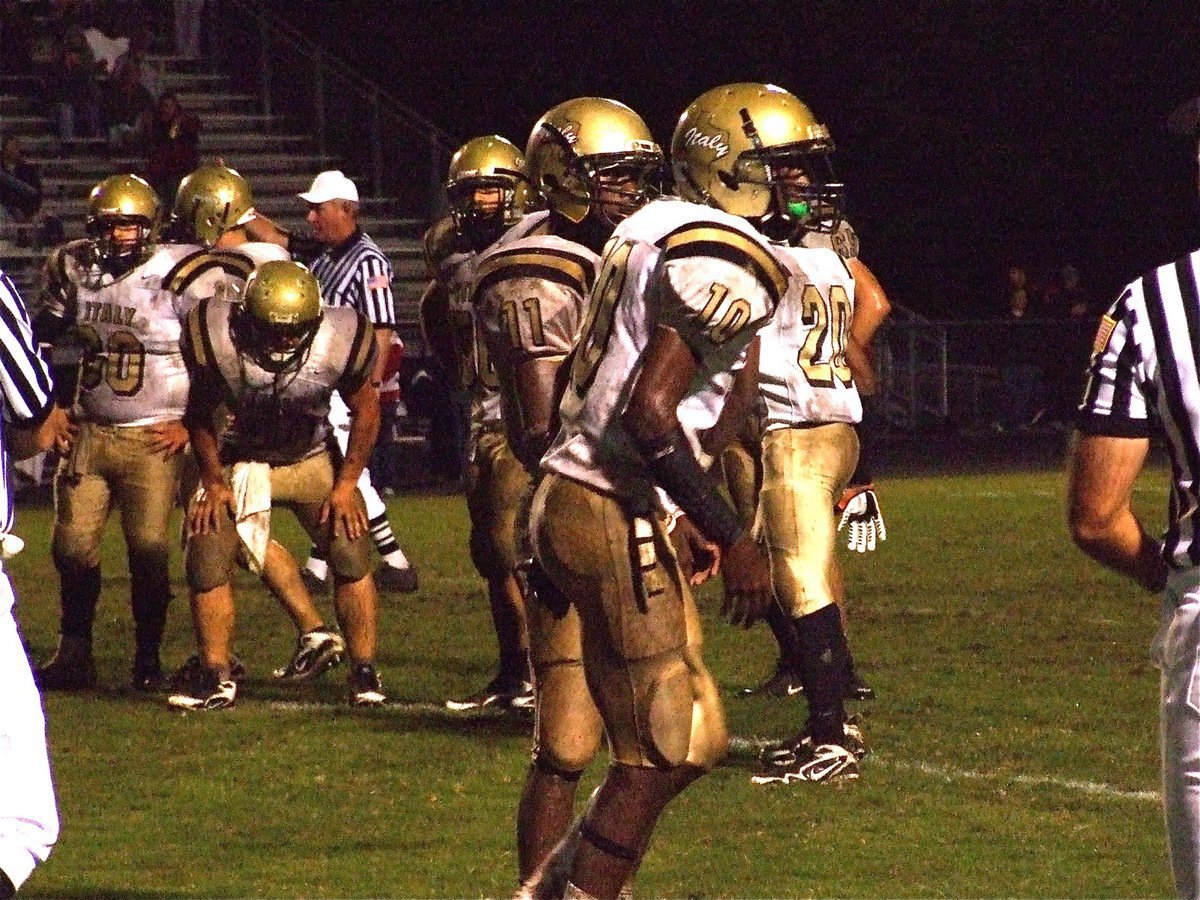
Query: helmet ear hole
{"x": 728, "y": 180}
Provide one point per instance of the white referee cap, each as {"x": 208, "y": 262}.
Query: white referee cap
{"x": 332, "y": 185}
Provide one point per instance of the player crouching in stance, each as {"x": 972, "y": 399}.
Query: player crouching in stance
{"x": 274, "y": 361}
{"x": 213, "y": 209}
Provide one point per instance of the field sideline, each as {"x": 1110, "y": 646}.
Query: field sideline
{"x": 1014, "y": 734}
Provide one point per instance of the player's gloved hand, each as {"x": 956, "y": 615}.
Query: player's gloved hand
{"x": 859, "y": 508}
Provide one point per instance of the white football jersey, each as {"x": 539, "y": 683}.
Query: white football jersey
{"x": 528, "y": 298}
{"x": 703, "y": 273}
{"x": 131, "y": 325}
{"x": 451, "y": 262}
{"x": 279, "y": 418}
{"x": 804, "y": 377}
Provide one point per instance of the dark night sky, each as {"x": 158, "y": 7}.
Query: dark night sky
{"x": 970, "y": 133}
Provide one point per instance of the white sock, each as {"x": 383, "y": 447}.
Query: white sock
{"x": 318, "y": 567}
{"x": 396, "y": 559}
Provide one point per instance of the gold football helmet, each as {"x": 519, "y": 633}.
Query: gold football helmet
{"x": 755, "y": 150}
{"x": 483, "y": 166}
{"x": 122, "y": 203}
{"x": 279, "y": 315}
{"x": 588, "y": 144}
{"x": 209, "y": 202}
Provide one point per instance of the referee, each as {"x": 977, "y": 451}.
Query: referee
{"x": 1144, "y": 379}
{"x": 31, "y": 423}
{"x": 353, "y": 271}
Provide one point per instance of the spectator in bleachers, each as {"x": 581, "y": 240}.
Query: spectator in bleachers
{"x": 1019, "y": 352}
{"x": 1071, "y": 323}
{"x": 72, "y": 89}
{"x": 128, "y": 107}
{"x": 172, "y": 145}
{"x": 20, "y": 190}
{"x": 136, "y": 57}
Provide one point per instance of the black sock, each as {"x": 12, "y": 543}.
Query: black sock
{"x": 823, "y": 669}
{"x": 149, "y": 619}
{"x": 80, "y": 594}
{"x": 785, "y": 636}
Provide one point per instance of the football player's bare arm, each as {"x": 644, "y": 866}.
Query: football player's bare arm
{"x": 342, "y": 506}
{"x": 535, "y": 381}
{"x": 1102, "y": 471}
{"x": 217, "y": 503}
{"x": 52, "y": 431}
{"x": 260, "y": 228}
{"x": 435, "y": 325}
{"x": 668, "y": 368}
{"x": 734, "y": 420}
{"x": 871, "y": 308}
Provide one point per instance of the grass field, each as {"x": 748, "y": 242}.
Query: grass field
{"x": 1014, "y": 741}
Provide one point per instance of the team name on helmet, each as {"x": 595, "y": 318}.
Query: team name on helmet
{"x": 719, "y": 143}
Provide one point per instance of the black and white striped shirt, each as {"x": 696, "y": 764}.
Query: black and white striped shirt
{"x": 25, "y": 388}
{"x": 1144, "y": 377}
{"x": 355, "y": 273}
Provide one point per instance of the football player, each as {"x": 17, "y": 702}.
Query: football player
{"x": 119, "y": 295}
{"x": 213, "y": 209}
{"x": 595, "y": 161}
{"x": 858, "y": 507}
{"x": 488, "y": 193}
{"x": 275, "y": 360}
{"x": 682, "y": 290}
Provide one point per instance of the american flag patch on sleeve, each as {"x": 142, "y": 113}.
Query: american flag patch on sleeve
{"x": 1103, "y": 333}
{"x": 378, "y": 282}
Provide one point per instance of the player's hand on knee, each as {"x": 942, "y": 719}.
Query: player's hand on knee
{"x": 342, "y": 509}
{"x": 861, "y": 516}
{"x": 214, "y": 504}
{"x": 746, "y": 570}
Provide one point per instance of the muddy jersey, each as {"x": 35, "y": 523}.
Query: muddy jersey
{"x": 843, "y": 240}
{"x": 450, "y": 261}
{"x": 222, "y": 274}
{"x": 706, "y": 275}
{"x": 130, "y": 326}
{"x": 804, "y": 377}
{"x": 528, "y": 298}
{"x": 279, "y": 418}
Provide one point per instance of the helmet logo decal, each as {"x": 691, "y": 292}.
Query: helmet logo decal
{"x": 718, "y": 143}
{"x": 570, "y": 132}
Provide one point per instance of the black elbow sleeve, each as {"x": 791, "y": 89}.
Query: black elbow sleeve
{"x": 677, "y": 471}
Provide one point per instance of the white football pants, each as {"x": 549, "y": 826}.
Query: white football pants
{"x": 28, "y": 815}
{"x": 1176, "y": 651}
{"x": 339, "y": 418}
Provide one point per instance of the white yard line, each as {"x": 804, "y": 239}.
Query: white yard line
{"x": 746, "y": 746}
